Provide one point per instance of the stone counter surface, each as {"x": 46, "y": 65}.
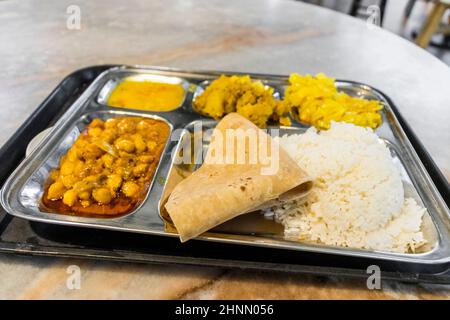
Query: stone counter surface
{"x": 269, "y": 36}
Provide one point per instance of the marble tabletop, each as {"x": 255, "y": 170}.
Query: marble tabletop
{"x": 41, "y": 43}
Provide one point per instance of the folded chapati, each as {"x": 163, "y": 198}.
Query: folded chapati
{"x": 235, "y": 178}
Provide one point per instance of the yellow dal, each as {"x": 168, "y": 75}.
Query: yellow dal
{"x": 147, "y": 95}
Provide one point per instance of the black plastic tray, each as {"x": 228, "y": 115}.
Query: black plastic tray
{"x": 24, "y": 237}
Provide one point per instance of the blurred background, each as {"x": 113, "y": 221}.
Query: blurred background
{"x": 425, "y": 22}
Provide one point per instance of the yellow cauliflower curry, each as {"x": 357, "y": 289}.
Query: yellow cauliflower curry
{"x": 251, "y": 99}
{"x": 316, "y": 101}
{"x": 109, "y": 168}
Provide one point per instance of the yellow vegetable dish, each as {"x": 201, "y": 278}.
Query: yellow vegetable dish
{"x": 251, "y": 99}
{"x": 316, "y": 101}
{"x": 147, "y": 95}
{"x": 109, "y": 168}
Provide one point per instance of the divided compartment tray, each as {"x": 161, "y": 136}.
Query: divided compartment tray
{"x": 19, "y": 235}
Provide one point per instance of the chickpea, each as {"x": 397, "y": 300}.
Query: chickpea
{"x": 111, "y": 123}
{"x": 97, "y": 167}
{"x": 125, "y": 145}
{"x": 146, "y": 158}
{"x": 73, "y": 154}
{"x": 126, "y": 126}
{"x": 54, "y": 174}
{"x": 69, "y": 181}
{"x": 93, "y": 179}
{"x": 122, "y": 162}
{"x": 102, "y": 195}
{"x": 95, "y": 132}
{"x": 125, "y": 172}
{"x": 80, "y": 144}
{"x": 151, "y": 145}
{"x": 108, "y": 160}
{"x": 114, "y": 181}
{"x": 97, "y": 123}
{"x": 80, "y": 170}
{"x": 67, "y": 168}
{"x": 70, "y": 197}
{"x": 56, "y": 191}
{"x": 140, "y": 169}
{"x": 130, "y": 189}
{"x": 126, "y": 155}
{"x": 88, "y": 165}
{"x": 85, "y": 195}
{"x": 119, "y": 171}
{"x": 143, "y": 125}
{"x": 83, "y": 185}
{"x": 109, "y": 135}
{"x": 139, "y": 143}
{"x": 91, "y": 151}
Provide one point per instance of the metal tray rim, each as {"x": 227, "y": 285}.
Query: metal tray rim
{"x": 442, "y": 260}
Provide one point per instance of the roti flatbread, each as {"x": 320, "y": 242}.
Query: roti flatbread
{"x": 234, "y": 179}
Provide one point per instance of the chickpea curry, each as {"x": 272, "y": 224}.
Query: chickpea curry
{"x": 109, "y": 168}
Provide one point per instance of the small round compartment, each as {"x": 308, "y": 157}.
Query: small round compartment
{"x": 136, "y": 93}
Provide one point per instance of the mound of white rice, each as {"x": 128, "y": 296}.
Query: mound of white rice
{"x": 358, "y": 198}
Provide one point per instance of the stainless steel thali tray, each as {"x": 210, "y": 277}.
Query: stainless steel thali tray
{"x": 23, "y": 189}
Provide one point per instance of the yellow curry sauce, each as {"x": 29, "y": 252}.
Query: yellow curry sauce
{"x": 147, "y": 95}
{"x": 109, "y": 168}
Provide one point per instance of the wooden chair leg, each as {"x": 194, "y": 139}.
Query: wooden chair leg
{"x": 431, "y": 25}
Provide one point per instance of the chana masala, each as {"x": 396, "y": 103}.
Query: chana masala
{"x": 109, "y": 168}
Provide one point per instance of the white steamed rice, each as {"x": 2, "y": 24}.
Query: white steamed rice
{"x": 357, "y": 200}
